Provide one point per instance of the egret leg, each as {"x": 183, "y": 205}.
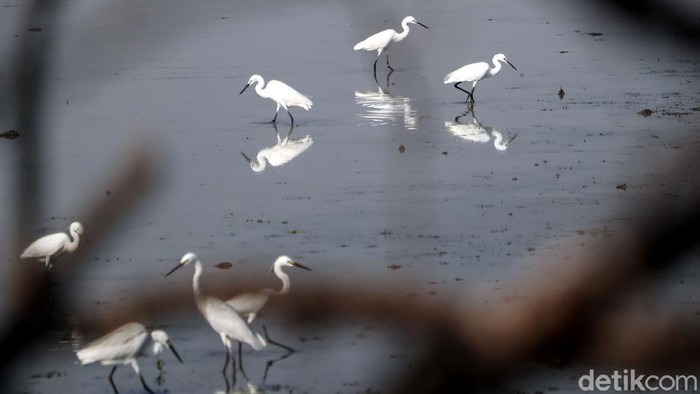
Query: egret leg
{"x": 274, "y": 120}
{"x": 472, "y": 94}
{"x": 135, "y": 366}
{"x": 269, "y": 340}
{"x": 469, "y": 95}
{"x": 375, "y": 68}
{"x": 226, "y": 363}
{"x": 111, "y": 374}
{"x": 291, "y": 117}
{"x": 387, "y": 62}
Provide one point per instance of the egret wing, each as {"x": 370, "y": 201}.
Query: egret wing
{"x": 123, "y": 343}
{"x": 224, "y": 319}
{"x": 46, "y": 246}
{"x": 280, "y": 91}
{"x": 376, "y": 41}
{"x": 469, "y": 73}
{"x": 247, "y": 303}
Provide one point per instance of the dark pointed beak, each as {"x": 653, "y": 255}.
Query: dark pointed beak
{"x": 246, "y": 87}
{"x": 511, "y": 64}
{"x": 294, "y": 263}
{"x": 423, "y": 25}
{"x": 246, "y": 157}
{"x": 178, "y": 266}
{"x": 172, "y": 349}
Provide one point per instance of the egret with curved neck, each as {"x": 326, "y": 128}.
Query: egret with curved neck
{"x": 221, "y": 317}
{"x": 50, "y": 247}
{"x": 381, "y": 41}
{"x": 475, "y": 72}
{"x": 250, "y": 304}
{"x": 284, "y": 95}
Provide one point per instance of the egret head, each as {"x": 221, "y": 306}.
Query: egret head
{"x": 286, "y": 260}
{"x": 77, "y": 228}
{"x": 502, "y": 58}
{"x": 410, "y": 19}
{"x": 253, "y": 78}
{"x": 160, "y": 341}
{"x": 186, "y": 259}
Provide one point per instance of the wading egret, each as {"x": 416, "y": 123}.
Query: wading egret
{"x": 50, "y": 247}
{"x": 381, "y": 41}
{"x": 475, "y": 72}
{"x": 123, "y": 346}
{"x": 221, "y": 317}
{"x": 250, "y": 304}
{"x": 284, "y": 95}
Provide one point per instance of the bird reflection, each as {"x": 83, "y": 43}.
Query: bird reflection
{"x": 476, "y": 132}
{"x": 381, "y": 108}
{"x": 283, "y": 152}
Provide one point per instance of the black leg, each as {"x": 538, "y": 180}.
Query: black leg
{"x": 375, "y": 67}
{"x": 274, "y": 120}
{"x": 387, "y": 62}
{"x": 111, "y": 374}
{"x": 469, "y": 95}
{"x": 145, "y": 386}
{"x": 226, "y": 363}
{"x": 472, "y": 94}
{"x": 291, "y": 117}
{"x": 269, "y": 340}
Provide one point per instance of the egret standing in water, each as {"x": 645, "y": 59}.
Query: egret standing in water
{"x": 221, "y": 317}
{"x": 475, "y": 72}
{"x": 50, "y": 247}
{"x": 250, "y": 304}
{"x": 284, "y": 95}
{"x": 381, "y": 41}
{"x": 123, "y": 346}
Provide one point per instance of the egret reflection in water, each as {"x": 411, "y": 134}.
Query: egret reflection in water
{"x": 476, "y": 132}
{"x": 283, "y": 152}
{"x": 383, "y": 109}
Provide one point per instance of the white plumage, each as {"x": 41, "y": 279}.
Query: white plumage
{"x": 475, "y": 72}
{"x": 280, "y": 154}
{"x": 284, "y": 95}
{"x": 381, "y": 41}
{"x": 50, "y": 247}
{"x": 221, "y": 317}
{"x": 123, "y": 346}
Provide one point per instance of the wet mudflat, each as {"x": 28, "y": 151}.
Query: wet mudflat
{"x": 399, "y": 179}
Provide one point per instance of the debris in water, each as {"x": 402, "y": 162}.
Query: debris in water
{"x": 224, "y": 265}
{"x": 35, "y": 29}
{"x": 561, "y": 94}
{"x": 595, "y": 34}
{"x": 402, "y": 148}
{"x": 645, "y": 112}
{"x": 9, "y": 134}
{"x": 622, "y": 187}
{"x": 394, "y": 267}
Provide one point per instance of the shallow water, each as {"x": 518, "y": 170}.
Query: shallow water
{"x": 388, "y": 180}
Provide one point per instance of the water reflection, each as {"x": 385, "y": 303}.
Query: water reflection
{"x": 248, "y": 386}
{"x": 474, "y": 131}
{"x": 381, "y": 108}
{"x": 283, "y": 152}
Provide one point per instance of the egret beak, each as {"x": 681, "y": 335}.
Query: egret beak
{"x": 172, "y": 349}
{"x": 511, "y": 64}
{"x": 246, "y": 157}
{"x": 246, "y": 87}
{"x": 423, "y": 25}
{"x": 294, "y": 263}
{"x": 178, "y": 266}
{"x": 86, "y": 239}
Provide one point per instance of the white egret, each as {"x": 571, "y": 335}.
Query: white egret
{"x": 475, "y": 72}
{"x": 280, "y": 154}
{"x": 250, "y": 304}
{"x": 123, "y": 346}
{"x": 381, "y": 41}
{"x": 284, "y": 95}
{"x": 50, "y": 247}
{"x": 221, "y": 317}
